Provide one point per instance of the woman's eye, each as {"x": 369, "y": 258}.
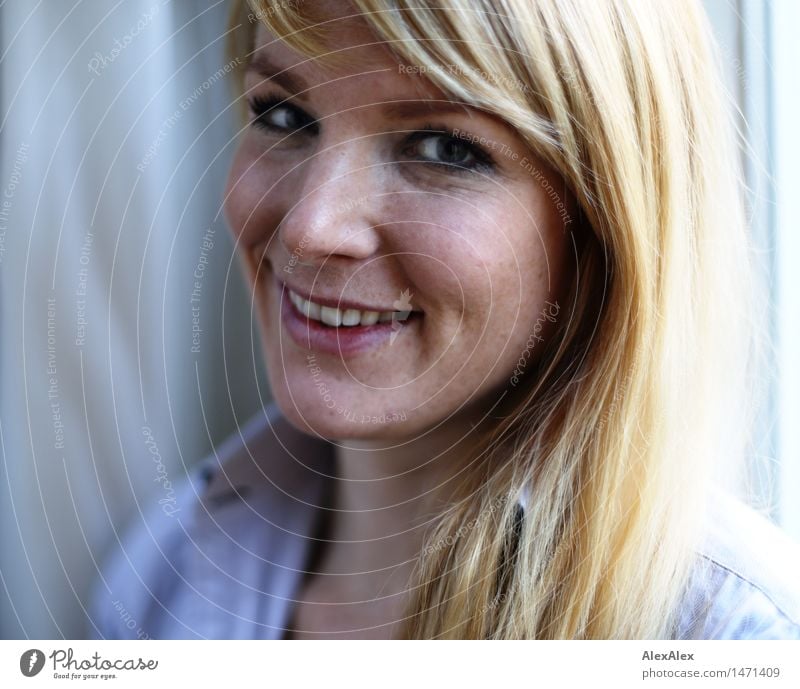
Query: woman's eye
{"x": 275, "y": 115}
{"x": 441, "y": 148}
{"x": 445, "y": 149}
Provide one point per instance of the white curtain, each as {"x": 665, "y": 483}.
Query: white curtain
{"x": 120, "y": 302}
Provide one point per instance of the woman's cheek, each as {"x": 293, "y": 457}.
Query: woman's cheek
{"x": 243, "y": 198}
{"x": 254, "y": 192}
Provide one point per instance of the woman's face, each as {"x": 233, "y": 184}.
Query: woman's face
{"x": 405, "y": 253}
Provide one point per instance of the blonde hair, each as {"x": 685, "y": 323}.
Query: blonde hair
{"x": 622, "y": 429}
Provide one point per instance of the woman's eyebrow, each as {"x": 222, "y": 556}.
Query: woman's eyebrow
{"x": 292, "y": 83}
{"x": 398, "y": 109}
{"x": 428, "y": 106}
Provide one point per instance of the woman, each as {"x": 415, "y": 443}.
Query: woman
{"x": 491, "y": 248}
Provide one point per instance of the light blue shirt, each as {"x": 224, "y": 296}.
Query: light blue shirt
{"x": 229, "y": 562}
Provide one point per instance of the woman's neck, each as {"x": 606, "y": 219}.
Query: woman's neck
{"x": 386, "y": 496}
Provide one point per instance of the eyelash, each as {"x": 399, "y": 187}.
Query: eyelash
{"x": 261, "y": 106}
{"x": 483, "y": 161}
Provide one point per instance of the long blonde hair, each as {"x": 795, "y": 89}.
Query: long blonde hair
{"x": 619, "y": 435}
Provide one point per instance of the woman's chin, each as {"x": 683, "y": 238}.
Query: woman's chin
{"x": 321, "y": 415}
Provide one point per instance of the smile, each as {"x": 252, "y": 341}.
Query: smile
{"x": 345, "y": 328}
{"x": 336, "y": 317}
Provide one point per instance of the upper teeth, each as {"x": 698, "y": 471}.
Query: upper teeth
{"x": 330, "y": 315}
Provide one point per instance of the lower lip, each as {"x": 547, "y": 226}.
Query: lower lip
{"x": 344, "y": 341}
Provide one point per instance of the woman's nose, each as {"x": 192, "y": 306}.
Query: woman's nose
{"x": 335, "y": 210}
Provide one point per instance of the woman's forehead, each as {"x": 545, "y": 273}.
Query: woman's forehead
{"x": 360, "y": 54}
{"x": 341, "y": 36}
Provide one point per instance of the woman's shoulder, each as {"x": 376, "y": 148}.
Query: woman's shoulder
{"x": 232, "y": 545}
{"x": 746, "y": 580}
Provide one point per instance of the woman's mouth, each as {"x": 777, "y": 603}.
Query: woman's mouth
{"x": 335, "y": 316}
{"x": 342, "y": 328}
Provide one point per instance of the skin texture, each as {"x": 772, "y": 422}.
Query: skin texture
{"x": 352, "y": 208}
